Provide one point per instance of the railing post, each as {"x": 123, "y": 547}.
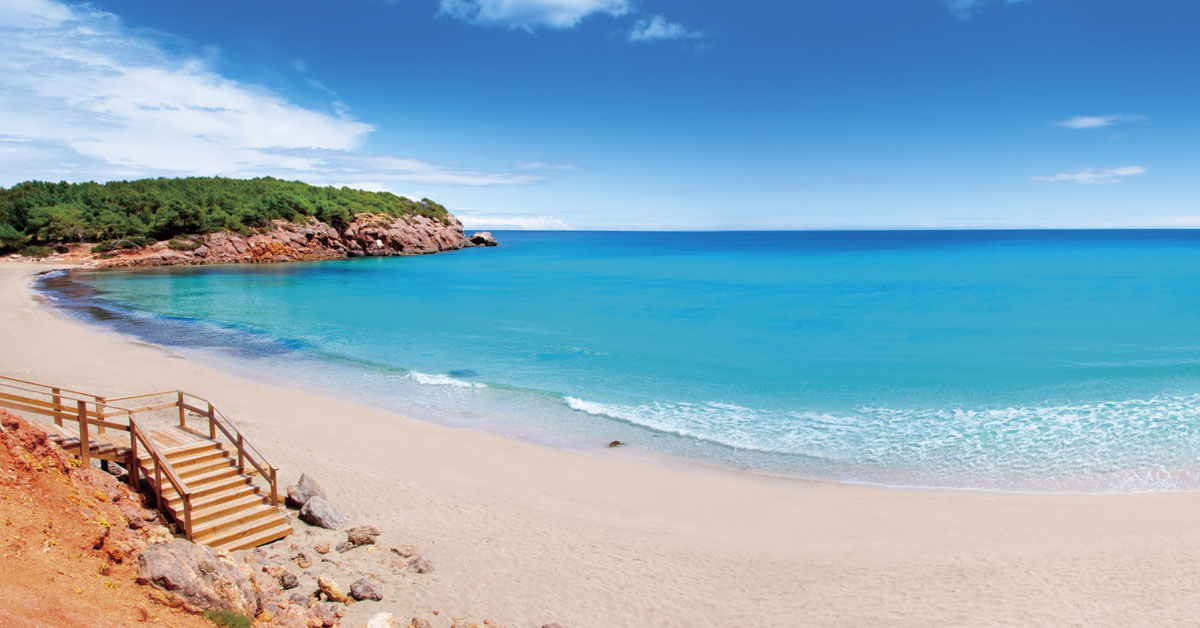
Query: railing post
{"x": 212, "y": 421}
{"x": 157, "y": 482}
{"x": 274, "y": 490}
{"x": 133, "y": 457}
{"x": 241, "y": 455}
{"x": 57, "y": 406}
{"x": 85, "y": 454}
{"x": 99, "y": 414}
{"x": 187, "y": 515}
{"x": 179, "y": 402}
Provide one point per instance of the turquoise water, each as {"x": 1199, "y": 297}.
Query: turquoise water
{"x": 1039, "y": 361}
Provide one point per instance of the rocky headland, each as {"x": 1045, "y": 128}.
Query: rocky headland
{"x": 368, "y": 235}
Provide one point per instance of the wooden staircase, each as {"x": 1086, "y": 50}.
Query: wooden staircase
{"x": 227, "y": 510}
{"x": 206, "y": 484}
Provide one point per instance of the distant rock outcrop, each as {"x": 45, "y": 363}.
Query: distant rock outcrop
{"x": 367, "y": 235}
{"x": 483, "y": 238}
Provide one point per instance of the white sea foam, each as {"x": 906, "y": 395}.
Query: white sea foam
{"x": 1127, "y": 445}
{"x": 441, "y": 380}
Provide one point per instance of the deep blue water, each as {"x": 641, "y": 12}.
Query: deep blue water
{"x": 1023, "y": 360}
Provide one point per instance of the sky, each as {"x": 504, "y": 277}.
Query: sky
{"x": 631, "y": 114}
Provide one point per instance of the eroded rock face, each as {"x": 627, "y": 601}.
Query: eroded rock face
{"x": 483, "y": 238}
{"x": 197, "y": 577}
{"x": 369, "y": 234}
{"x": 318, "y": 511}
{"x": 302, "y": 491}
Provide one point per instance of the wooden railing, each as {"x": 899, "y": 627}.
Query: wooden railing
{"x": 216, "y": 423}
{"x": 62, "y": 404}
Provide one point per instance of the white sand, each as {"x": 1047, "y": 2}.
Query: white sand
{"x": 526, "y": 535}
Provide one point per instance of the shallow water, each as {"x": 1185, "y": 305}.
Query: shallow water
{"x": 1047, "y": 361}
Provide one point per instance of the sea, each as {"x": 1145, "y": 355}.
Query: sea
{"x": 1028, "y": 361}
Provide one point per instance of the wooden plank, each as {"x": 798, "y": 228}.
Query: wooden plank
{"x": 84, "y": 448}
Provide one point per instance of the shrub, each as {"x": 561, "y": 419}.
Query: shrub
{"x": 183, "y": 245}
{"x": 62, "y": 249}
{"x": 229, "y": 619}
{"x": 34, "y": 250}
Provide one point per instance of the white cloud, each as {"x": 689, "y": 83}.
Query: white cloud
{"x": 475, "y": 221}
{"x": 657, "y": 27}
{"x": 1096, "y": 122}
{"x": 82, "y": 97}
{"x": 967, "y": 9}
{"x": 541, "y": 165}
{"x": 1092, "y": 175}
{"x": 530, "y": 14}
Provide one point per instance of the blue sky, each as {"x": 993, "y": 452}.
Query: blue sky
{"x": 631, "y": 114}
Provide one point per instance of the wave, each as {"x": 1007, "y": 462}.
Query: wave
{"x": 1134, "y": 444}
{"x": 441, "y": 380}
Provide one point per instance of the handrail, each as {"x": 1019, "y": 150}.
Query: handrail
{"x": 161, "y": 465}
{"x": 244, "y": 448}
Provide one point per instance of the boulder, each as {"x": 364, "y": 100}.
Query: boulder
{"x": 482, "y": 238}
{"x": 362, "y": 589}
{"x": 302, "y": 491}
{"x": 319, "y": 512}
{"x": 197, "y": 578}
{"x": 362, "y": 535}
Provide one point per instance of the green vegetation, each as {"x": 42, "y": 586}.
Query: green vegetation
{"x": 229, "y": 619}
{"x": 149, "y": 210}
{"x": 34, "y": 250}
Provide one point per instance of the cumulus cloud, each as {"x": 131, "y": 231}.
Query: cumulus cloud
{"x": 530, "y": 14}
{"x": 657, "y": 27}
{"x": 1092, "y": 175}
{"x": 967, "y": 9}
{"x": 1096, "y": 122}
{"x": 83, "y": 97}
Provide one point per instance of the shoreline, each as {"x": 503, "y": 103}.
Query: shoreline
{"x": 526, "y": 533}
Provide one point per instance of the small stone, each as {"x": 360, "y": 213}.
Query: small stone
{"x": 300, "y": 599}
{"x": 362, "y": 535}
{"x": 321, "y": 548}
{"x": 332, "y": 591}
{"x": 405, "y": 551}
{"x": 302, "y": 560}
{"x": 382, "y": 620}
{"x": 418, "y": 622}
{"x": 362, "y": 589}
{"x": 327, "y": 614}
{"x": 420, "y": 564}
{"x": 289, "y": 581}
{"x": 615, "y": 443}
{"x": 342, "y": 548}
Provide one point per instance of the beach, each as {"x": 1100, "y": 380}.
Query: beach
{"x": 526, "y": 534}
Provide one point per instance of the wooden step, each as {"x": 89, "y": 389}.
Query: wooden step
{"x": 261, "y": 538}
{"x": 194, "y": 469}
{"x": 207, "y": 488}
{"x": 225, "y": 506}
{"x": 243, "y": 516}
{"x": 179, "y": 453}
{"x": 256, "y": 522}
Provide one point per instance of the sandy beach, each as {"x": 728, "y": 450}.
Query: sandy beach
{"x": 526, "y": 534}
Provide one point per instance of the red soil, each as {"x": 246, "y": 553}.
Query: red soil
{"x": 67, "y": 551}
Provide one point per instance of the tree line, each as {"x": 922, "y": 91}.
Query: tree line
{"x": 36, "y": 213}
